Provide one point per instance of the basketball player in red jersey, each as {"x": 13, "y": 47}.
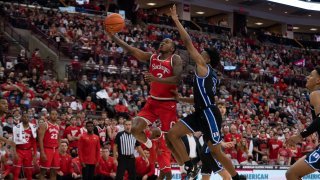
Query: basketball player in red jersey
{"x": 26, "y": 147}
{"x": 49, "y": 146}
{"x": 164, "y": 74}
{"x": 163, "y": 154}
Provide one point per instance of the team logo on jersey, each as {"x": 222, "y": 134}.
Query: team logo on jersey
{"x": 163, "y": 68}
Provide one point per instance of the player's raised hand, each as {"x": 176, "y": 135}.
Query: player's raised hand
{"x": 173, "y": 12}
{"x": 148, "y": 77}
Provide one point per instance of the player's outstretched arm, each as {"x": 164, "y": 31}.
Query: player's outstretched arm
{"x": 137, "y": 53}
{"x": 195, "y": 55}
{"x": 313, "y": 127}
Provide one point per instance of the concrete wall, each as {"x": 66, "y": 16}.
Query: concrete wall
{"x": 45, "y": 52}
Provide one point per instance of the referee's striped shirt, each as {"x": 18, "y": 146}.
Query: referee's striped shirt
{"x": 126, "y": 143}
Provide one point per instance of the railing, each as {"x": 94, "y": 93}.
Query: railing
{"x": 21, "y": 40}
{"x": 44, "y": 38}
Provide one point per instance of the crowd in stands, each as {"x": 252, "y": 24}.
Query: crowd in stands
{"x": 264, "y": 95}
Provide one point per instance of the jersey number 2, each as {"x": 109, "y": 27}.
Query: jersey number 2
{"x": 159, "y": 75}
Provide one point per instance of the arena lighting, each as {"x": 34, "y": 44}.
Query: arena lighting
{"x": 313, "y": 29}
{"x": 200, "y": 12}
{"x": 258, "y": 23}
{"x": 296, "y": 27}
{"x": 299, "y": 4}
{"x": 151, "y": 4}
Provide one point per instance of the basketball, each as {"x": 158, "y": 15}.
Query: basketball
{"x": 114, "y": 23}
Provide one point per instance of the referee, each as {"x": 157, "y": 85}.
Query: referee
{"x": 123, "y": 150}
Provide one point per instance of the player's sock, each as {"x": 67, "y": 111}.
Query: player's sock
{"x": 148, "y": 144}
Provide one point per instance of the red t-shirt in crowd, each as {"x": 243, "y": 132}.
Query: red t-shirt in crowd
{"x": 242, "y": 155}
{"x": 74, "y": 131}
{"x": 274, "y": 146}
{"x": 229, "y": 137}
{"x": 285, "y": 152}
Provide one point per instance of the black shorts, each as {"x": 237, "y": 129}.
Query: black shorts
{"x": 208, "y": 121}
{"x": 209, "y": 164}
{"x": 313, "y": 159}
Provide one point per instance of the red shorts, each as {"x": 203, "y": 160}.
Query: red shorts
{"x": 53, "y": 159}
{"x": 24, "y": 158}
{"x": 166, "y": 111}
{"x": 164, "y": 160}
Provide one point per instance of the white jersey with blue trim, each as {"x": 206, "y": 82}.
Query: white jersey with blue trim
{"x": 205, "y": 88}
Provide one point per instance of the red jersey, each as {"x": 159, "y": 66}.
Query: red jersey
{"x": 51, "y": 135}
{"x": 102, "y": 133}
{"x": 89, "y": 148}
{"x": 105, "y": 167}
{"x": 242, "y": 156}
{"x": 73, "y": 131}
{"x": 66, "y": 164}
{"x": 31, "y": 141}
{"x": 285, "y": 152}
{"x": 274, "y": 146}
{"x": 143, "y": 169}
{"x": 230, "y": 137}
{"x": 161, "y": 69}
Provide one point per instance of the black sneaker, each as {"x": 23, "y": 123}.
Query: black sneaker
{"x": 194, "y": 173}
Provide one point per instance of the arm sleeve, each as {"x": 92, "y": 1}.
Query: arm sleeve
{"x": 313, "y": 127}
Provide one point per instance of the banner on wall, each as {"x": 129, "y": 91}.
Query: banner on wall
{"x": 253, "y": 173}
{"x": 186, "y": 7}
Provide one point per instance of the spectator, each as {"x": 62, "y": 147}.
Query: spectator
{"x": 145, "y": 170}
{"x": 73, "y": 133}
{"x": 274, "y": 145}
{"x": 65, "y": 171}
{"x": 76, "y": 165}
{"x": 107, "y": 166}
{"x": 89, "y": 105}
{"x": 249, "y": 161}
{"x": 76, "y": 105}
